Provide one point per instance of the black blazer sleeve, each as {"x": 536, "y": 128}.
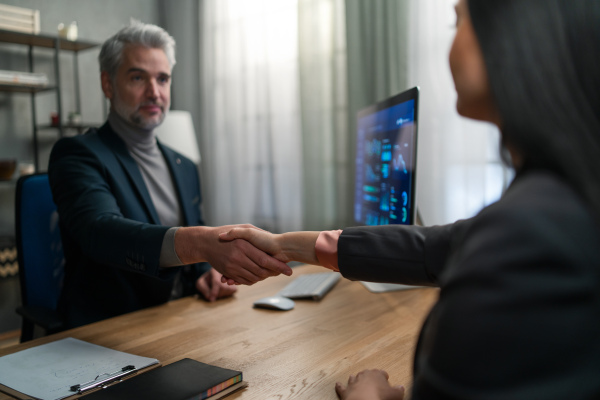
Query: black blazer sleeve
{"x": 410, "y": 255}
{"x": 102, "y": 214}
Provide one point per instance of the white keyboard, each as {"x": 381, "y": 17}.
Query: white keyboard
{"x": 313, "y": 286}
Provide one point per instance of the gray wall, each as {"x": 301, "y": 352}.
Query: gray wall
{"x": 97, "y": 20}
{"x": 181, "y": 20}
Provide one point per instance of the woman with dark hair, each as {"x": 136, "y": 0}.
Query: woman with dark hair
{"x": 518, "y": 316}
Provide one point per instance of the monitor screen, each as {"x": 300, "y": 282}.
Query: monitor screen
{"x": 386, "y": 151}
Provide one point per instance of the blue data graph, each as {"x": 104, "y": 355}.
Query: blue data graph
{"x": 385, "y": 161}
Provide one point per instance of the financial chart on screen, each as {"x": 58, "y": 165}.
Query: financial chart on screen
{"x": 385, "y": 163}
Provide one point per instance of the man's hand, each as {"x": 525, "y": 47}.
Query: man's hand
{"x": 266, "y": 241}
{"x": 371, "y": 384}
{"x": 238, "y": 260}
{"x": 285, "y": 247}
{"x": 211, "y": 287}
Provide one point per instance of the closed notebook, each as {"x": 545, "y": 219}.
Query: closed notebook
{"x": 182, "y": 380}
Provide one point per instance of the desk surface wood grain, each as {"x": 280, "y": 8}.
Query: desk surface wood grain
{"x": 297, "y": 354}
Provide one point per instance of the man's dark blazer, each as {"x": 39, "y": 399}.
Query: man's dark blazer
{"x": 111, "y": 233}
{"x": 518, "y": 315}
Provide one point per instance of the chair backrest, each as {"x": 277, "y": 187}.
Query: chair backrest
{"x": 39, "y": 246}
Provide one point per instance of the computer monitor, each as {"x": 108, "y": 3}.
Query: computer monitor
{"x": 385, "y": 163}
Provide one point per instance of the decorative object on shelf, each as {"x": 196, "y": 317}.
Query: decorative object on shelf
{"x": 19, "y": 19}
{"x": 54, "y": 118}
{"x": 9, "y": 266}
{"x": 74, "y": 118}
{"x": 26, "y": 168}
{"x": 68, "y": 32}
{"x": 7, "y": 168}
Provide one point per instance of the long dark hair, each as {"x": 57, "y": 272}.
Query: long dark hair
{"x": 543, "y": 61}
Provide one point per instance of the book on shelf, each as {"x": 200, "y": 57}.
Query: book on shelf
{"x": 23, "y": 78}
{"x": 19, "y": 19}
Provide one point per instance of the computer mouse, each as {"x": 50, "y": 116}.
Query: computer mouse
{"x": 275, "y": 303}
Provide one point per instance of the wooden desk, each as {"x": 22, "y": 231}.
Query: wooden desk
{"x": 297, "y": 354}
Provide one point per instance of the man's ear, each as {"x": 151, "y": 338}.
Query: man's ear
{"x": 107, "y": 86}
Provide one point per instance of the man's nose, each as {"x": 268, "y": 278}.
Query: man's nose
{"x": 152, "y": 89}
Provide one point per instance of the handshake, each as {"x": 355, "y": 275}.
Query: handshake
{"x": 244, "y": 254}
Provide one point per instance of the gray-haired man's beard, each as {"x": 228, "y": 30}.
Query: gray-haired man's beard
{"x": 136, "y": 119}
{"x": 146, "y": 123}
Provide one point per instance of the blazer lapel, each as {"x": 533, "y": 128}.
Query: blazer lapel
{"x": 132, "y": 170}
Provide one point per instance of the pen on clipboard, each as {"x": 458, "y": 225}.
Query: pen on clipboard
{"x": 83, "y": 387}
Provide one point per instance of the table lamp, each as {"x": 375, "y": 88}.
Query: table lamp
{"x": 177, "y": 131}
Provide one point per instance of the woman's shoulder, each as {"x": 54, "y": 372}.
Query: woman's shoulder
{"x": 538, "y": 187}
{"x": 542, "y": 216}
{"x": 542, "y": 194}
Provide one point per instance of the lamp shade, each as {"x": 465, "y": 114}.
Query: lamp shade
{"x": 177, "y": 131}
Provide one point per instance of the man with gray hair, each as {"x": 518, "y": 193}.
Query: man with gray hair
{"x": 129, "y": 206}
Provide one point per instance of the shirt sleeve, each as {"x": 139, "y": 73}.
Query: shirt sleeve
{"x": 326, "y": 249}
{"x": 168, "y": 256}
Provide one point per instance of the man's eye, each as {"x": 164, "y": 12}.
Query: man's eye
{"x": 163, "y": 79}
{"x": 136, "y": 78}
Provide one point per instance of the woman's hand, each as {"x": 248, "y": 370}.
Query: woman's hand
{"x": 238, "y": 260}
{"x": 370, "y": 384}
{"x": 263, "y": 240}
{"x": 284, "y": 247}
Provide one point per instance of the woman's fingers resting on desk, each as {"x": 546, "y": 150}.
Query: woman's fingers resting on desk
{"x": 371, "y": 384}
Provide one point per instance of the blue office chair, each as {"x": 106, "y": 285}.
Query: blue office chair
{"x": 40, "y": 255}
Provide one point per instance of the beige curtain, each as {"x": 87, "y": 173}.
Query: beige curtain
{"x": 280, "y": 91}
{"x": 352, "y": 54}
{"x": 324, "y": 111}
{"x": 250, "y": 123}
